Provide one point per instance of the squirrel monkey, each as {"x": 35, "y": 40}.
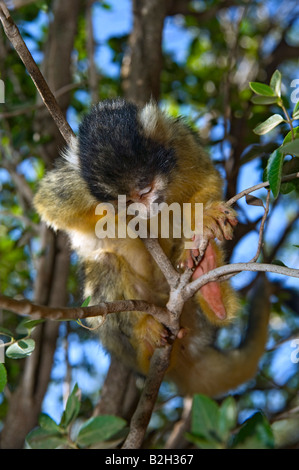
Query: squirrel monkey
{"x": 149, "y": 158}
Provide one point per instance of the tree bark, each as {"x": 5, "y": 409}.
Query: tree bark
{"x": 142, "y": 63}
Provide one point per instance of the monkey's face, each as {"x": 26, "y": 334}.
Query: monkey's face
{"x": 147, "y": 199}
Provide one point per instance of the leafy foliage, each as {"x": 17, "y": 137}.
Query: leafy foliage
{"x": 93, "y": 432}
{"x": 19, "y": 348}
{"x": 290, "y": 146}
{"x": 213, "y": 426}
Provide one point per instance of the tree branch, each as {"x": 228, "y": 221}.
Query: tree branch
{"x": 238, "y": 196}
{"x": 261, "y": 231}
{"x": 171, "y": 275}
{"x": 218, "y": 273}
{"x": 139, "y": 422}
{"x": 26, "y": 308}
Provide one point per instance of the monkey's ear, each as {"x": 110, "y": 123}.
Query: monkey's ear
{"x": 149, "y": 117}
{"x": 155, "y": 123}
{"x": 71, "y": 153}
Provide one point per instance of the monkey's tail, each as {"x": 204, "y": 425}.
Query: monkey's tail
{"x": 216, "y": 372}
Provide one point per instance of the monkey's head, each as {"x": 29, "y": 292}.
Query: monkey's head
{"x": 117, "y": 157}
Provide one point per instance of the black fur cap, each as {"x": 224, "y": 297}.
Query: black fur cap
{"x": 115, "y": 156}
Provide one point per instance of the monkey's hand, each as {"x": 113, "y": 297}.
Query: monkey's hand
{"x": 219, "y": 220}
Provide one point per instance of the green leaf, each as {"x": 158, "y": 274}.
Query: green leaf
{"x": 48, "y": 424}
{"x": 289, "y": 167}
{"x": 287, "y": 187}
{"x": 264, "y": 99}
{"x": 3, "y": 377}
{"x": 6, "y": 332}
{"x": 41, "y": 439}
{"x": 26, "y": 326}
{"x": 72, "y": 407}
{"x": 256, "y": 433}
{"x": 261, "y": 89}
{"x": 202, "y": 443}
{"x": 21, "y": 349}
{"x": 274, "y": 170}
{"x": 296, "y": 111}
{"x": 99, "y": 429}
{"x": 205, "y": 417}
{"x": 289, "y": 136}
{"x": 268, "y": 125}
{"x": 86, "y": 302}
{"x": 277, "y": 262}
{"x": 275, "y": 83}
{"x": 227, "y": 417}
{"x": 265, "y": 175}
{"x": 291, "y": 148}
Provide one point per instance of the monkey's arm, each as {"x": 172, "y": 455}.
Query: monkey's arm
{"x": 63, "y": 200}
{"x": 215, "y": 372}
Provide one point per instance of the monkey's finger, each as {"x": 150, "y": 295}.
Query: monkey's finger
{"x": 212, "y": 230}
{"x": 226, "y": 228}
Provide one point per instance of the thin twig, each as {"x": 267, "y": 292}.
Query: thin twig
{"x": 261, "y": 231}
{"x": 176, "y": 437}
{"x": 217, "y": 273}
{"x": 238, "y": 196}
{"x": 47, "y": 96}
{"x": 33, "y": 107}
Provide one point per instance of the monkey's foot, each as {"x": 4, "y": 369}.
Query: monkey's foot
{"x": 149, "y": 334}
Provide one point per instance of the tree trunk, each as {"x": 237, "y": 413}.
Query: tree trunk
{"x": 142, "y": 63}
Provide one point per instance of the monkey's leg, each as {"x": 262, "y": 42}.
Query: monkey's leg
{"x": 211, "y": 292}
{"x": 130, "y": 336}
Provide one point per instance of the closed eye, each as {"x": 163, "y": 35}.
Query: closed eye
{"x": 145, "y": 191}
